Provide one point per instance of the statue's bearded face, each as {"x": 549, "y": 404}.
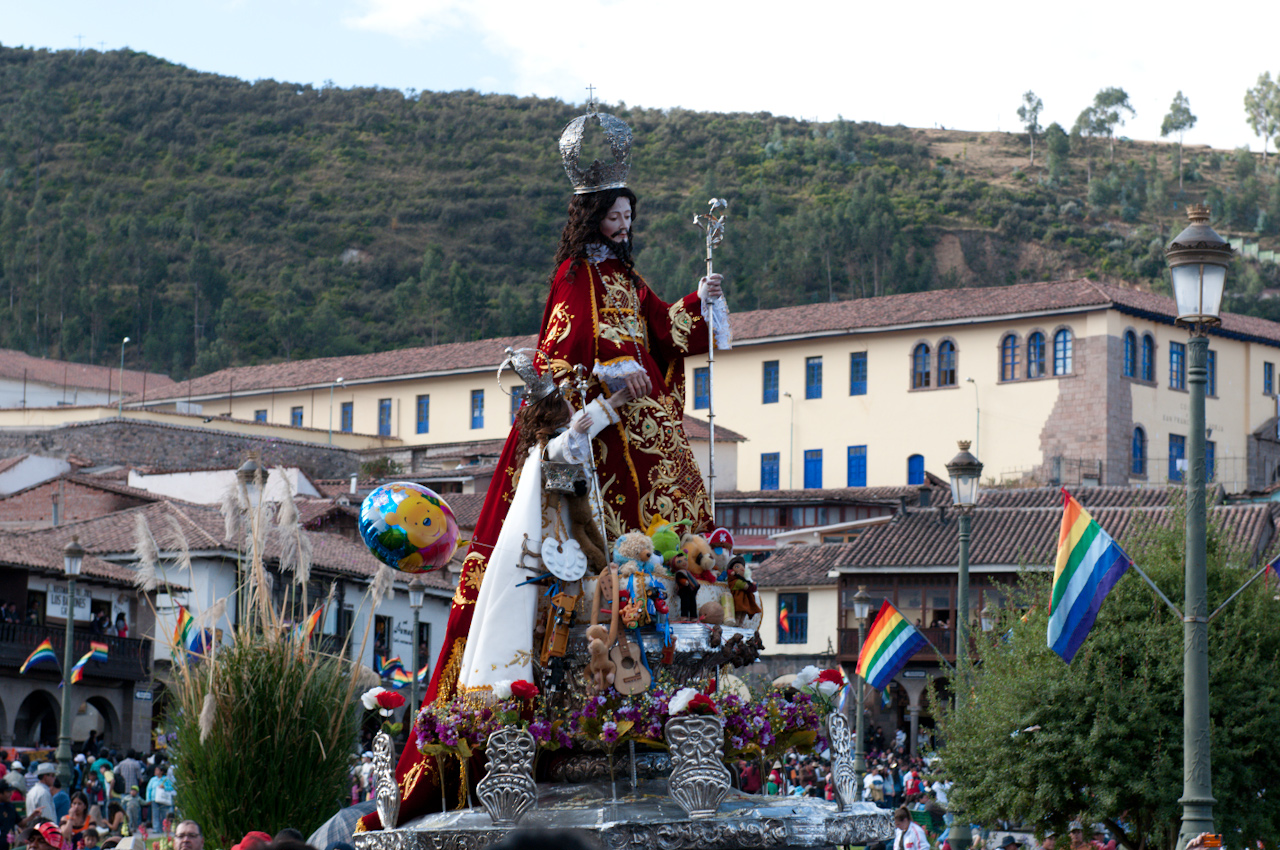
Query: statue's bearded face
{"x": 616, "y": 225}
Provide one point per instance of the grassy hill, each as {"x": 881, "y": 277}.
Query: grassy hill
{"x": 220, "y": 222}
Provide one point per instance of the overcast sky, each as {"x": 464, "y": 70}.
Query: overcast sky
{"x": 921, "y": 64}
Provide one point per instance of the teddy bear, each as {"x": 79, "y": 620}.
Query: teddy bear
{"x": 634, "y": 547}
{"x": 702, "y": 562}
{"x": 600, "y": 670}
{"x": 582, "y": 524}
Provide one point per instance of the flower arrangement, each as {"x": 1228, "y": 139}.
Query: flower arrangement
{"x": 820, "y": 685}
{"x": 385, "y": 702}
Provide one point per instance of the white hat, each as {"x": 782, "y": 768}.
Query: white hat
{"x": 17, "y": 765}
{"x": 80, "y": 759}
{"x": 46, "y": 768}
{"x": 367, "y": 754}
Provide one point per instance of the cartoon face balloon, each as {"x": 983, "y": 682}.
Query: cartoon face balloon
{"x": 408, "y": 527}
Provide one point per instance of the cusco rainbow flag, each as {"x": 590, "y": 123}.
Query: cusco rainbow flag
{"x": 889, "y": 646}
{"x": 304, "y": 629}
{"x": 99, "y": 651}
{"x": 182, "y": 629}
{"x": 77, "y": 672}
{"x": 1089, "y": 564}
{"x": 43, "y": 654}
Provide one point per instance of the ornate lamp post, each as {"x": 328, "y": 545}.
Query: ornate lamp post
{"x": 72, "y": 558}
{"x": 965, "y": 471}
{"x": 861, "y": 608}
{"x": 1198, "y": 259}
{"x": 416, "y": 594}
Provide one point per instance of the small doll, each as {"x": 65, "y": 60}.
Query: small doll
{"x": 743, "y": 589}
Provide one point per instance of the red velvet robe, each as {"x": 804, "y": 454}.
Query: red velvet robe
{"x": 595, "y": 315}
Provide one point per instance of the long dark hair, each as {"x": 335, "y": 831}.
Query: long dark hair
{"x": 537, "y": 421}
{"x": 582, "y": 230}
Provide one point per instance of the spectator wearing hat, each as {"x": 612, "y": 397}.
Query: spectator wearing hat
{"x": 366, "y": 775}
{"x": 1010, "y": 843}
{"x": 43, "y": 836}
{"x": 133, "y": 809}
{"x": 253, "y": 840}
{"x": 40, "y": 797}
{"x": 16, "y": 778}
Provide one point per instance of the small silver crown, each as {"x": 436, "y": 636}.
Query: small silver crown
{"x": 537, "y": 387}
{"x": 598, "y": 175}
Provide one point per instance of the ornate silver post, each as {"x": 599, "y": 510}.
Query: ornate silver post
{"x": 842, "y": 769}
{"x": 713, "y": 226}
{"x": 508, "y": 790}
{"x": 699, "y": 780}
{"x": 387, "y": 796}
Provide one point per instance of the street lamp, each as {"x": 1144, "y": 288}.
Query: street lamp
{"x": 416, "y": 594}
{"x": 72, "y": 558}
{"x": 331, "y": 386}
{"x": 1198, "y": 259}
{"x": 989, "y": 616}
{"x": 123, "y": 342}
{"x": 965, "y": 471}
{"x": 861, "y": 608}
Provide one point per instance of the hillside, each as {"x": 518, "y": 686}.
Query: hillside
{"x": 221, "y": 222}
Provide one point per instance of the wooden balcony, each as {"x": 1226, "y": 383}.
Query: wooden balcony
{"x": 127, "y": 658}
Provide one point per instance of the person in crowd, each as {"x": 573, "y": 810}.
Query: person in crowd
{"x": 189, "y": 836}
{"x": 83, "y": 817}
{"x": 102, "y": 766}
{"x": 91, "y": 743}
{"x": 61, "y": 800}
{"x": 253, "y": 840}
{"x": 117, "y": 822}
{"x": 160, "y": 798}
{"x": 908, "y": 835}
{"x": 90, "y": 839}
{"x": 43, "y": 836}
{"x": 291, "y": 835}
{"x": 92, "y": 788}
{"x": 40, "y": 795}
{"x": 130, "y": 769}
{"x": 133, "y": 809}
{"x": 122, "y": 627}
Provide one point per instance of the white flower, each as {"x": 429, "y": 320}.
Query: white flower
{"x": 680, "y": 702}
{"x": 502, "y": 689}
{"x": 828, "y": 689}
{"x": 805, "y": 678}
{"x": 370, "y": 698}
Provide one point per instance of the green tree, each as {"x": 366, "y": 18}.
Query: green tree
{"x": 1059, "y": 147}
{"x": 1262, "y": 106}
{"x": 1029, "y": 115}
{"x": 1109, "y": 108}
{"x": 1101, "y": 739}
{"x": 1179, "y": 120}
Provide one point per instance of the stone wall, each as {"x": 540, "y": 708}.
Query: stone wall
{"x": 1092, "y": 419}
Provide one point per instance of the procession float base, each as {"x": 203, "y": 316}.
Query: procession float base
{"x": 648, "y": 818}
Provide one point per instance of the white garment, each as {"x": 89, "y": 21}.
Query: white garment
{"x": 912, "y": 838}
{"x": 40, "y": 798}
{"x": 500, "y": 640}
{"x": 940, "y": 791}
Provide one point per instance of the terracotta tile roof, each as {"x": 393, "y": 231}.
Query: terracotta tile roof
{"x": 699, "y": 429}
{"x": 466, "y": 508}
{"x": 43, "y": 554}
{"x": 1090, "y": 497}
{"x": 461, "y": 450}
{"x": 15, "y": 364}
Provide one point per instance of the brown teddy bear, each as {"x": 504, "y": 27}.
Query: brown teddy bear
{"x": 600, "y": 670}
{"x": 701, "y": 560}
{"x": 582, "y": 525}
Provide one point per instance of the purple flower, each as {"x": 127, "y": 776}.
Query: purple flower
{"x": 609, "y": 732}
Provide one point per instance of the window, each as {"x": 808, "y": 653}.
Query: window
{"x": 1148, "y": 358}
{"x": 259, "y": 416}
{"x": 1009, "y": 358}
{"x": 702, "y": 388}
{"x": 1212, "y": 367}
{"x": 348, "y": 414}
{"x": 1138, "y": 454}
{"x": 946, "y": 363}
{"x": 813, "y": 469}
{"x": 813, "y": 377}
{"x": 857, "y": 466}
{"x": 1177, "y": 456}
{"x": 1268, "y": 378}
{"x": 915, "y": 470}
{"x": 770, "y": 383}
{"x": 1035, "y": 355}
{"x": 477, "y": 408}
{"x": 920, "y": 367}
{"x": 384, "y": 417}
{"x": 1130, "y": 354}
{"x": 295, "y": 417}
{"x": 1177, "y": 366}
{"x": 769, "y": 471}
{"x": 517, "y": 399}
{"x": 1210, "y": 452}
{"x": 858, "y": 373}
{"x": 1062, "y": 352}
{"x": 793, "y": 618}
{"x": 423, "y": 414}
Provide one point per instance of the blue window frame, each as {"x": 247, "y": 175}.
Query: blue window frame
{"x": 813, "y": 469}
{"x": 770, "y": 382}
{"x": 1210, "y": 452}
{"x": 769, "y": 462}
{"x": 1177, "y": 366}
{"x": 1268, "y": 378}
{"x": 517, "y": 399}
{"x": 813, "y": 377}
{"x": 1177, "y": 454}
{"x": 915, "y": 470}
{"x": 1138, "y": 454}
{"x": 1009, "y": 357}
{"x": 946, "y": 363}
{"x": 858, "y": 373}
{"x": 347, "y": 417}
{"x": 422, "y": 414}
{"x": 857, "y": 466}
{"x": 384, "y": 417}
{"x": 1062, "y": 345}
{"x": 1130, "y": 354}
{"x": 477, "y": 408}
{"x": 793, "y": 626}
{"x": 1212, "y": 365}
{"x": 702, "y": 388}
{"x": 1148, "y": 358}
{"x": 295, "y": 417}
{"x": 920, "y": 366}
{"x": 260, "y": 416}
{"x": 1035, "y": 355}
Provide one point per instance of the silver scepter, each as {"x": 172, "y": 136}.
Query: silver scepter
{"x": 713, "y": 227}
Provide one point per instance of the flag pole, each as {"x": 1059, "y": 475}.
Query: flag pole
{"x": 1251, "y": 580}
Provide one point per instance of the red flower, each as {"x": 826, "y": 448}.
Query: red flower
{"x": 390, "y": 699}
{"x": 835, "y": 677}
{"x": 523, "y": 689}
{"x": 702, "y": 704}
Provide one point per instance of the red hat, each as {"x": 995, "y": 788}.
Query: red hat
{"x": 48, "y": 832}
{"x": 251, "y": 840}
{"x": 721, "y": 539}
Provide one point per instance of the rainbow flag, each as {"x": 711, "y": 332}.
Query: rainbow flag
{"x": 1089, "y": 564}
{"x": 43, "y": 653}
{"x": 386, "y": 666}
{"x": 98, "y": 650}
{"x": 304, "y": 629}
{"x": 400, "y": 677}
{"x": 422, "y": 674}
{"x": 889, "y": 646}
{"x": 77, "y": 672}
{"x": 782, "y": 619}
{"x": 182, "y": 628}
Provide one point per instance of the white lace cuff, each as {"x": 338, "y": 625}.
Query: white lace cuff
{"x": 572, "y": 447}
{"x": 716, "y": 314}
{"x": 614, "y": 375}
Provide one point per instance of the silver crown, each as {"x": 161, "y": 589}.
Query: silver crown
{"x": 598, "y": 175}
{"x": 537, "y": 387}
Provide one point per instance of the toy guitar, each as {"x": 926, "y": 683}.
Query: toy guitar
{"x": 632, "y": 677}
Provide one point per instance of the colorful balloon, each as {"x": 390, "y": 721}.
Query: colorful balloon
{"x": 408, "y": 527}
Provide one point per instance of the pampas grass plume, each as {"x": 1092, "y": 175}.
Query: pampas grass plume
{"x": 208, "y": 714}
